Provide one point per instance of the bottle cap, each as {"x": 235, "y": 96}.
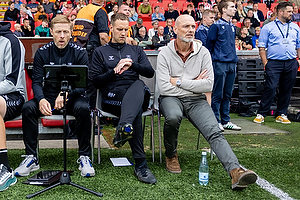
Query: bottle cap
{"x": 203, "y": 153}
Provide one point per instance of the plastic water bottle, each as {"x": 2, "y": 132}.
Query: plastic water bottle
{"x": 203, "y": 170}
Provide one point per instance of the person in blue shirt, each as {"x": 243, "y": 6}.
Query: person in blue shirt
{"x": 282, "y": 39}
{"x": 207, "y": 20}
{"x": 221, "y": 44}
{"x": 157, "y": 15}
{"x": 255, "y": 37}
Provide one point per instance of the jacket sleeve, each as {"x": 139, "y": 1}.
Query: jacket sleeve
{"x": 99, "y": 74}
{"x": 37, "y": 76}
{"x": 12, "y": 60}
{"x": 211, "y": 38}
{"x": 143, "y": 67}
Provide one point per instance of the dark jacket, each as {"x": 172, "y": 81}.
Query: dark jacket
{"x": 106, "y": 58}
{"x": 48, "y": 54}
{"x": 11, "y": 15}
{"x": 157, "y": 43}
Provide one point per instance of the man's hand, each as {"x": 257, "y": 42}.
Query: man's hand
{"x": 59, "y": 102}
{"x": 173, "y": 81}
{"x": 45, "y": 107}
{"x": 123, "y": 65}
{"x": 202, "y": 75}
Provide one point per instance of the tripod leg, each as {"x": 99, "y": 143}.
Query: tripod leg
{"x": 43, "y": 190}
{"x": 88, "y": 190}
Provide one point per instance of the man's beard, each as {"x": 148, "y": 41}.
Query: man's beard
{"x": 185, "y": 39}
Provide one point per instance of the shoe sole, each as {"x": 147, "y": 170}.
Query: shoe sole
{"x": 87, "y": 174}
{"x": 233, "y": 129}
{"x": 245, "y": 180}
{"x": 31, "y": 170}
{"x": 174, "y": 172}
{"x": 10, "y": 182}
{"x": 282, "y": 122}
{"x": 258, "y": 121}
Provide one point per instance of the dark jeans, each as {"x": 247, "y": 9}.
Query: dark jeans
{"x": 200, "y": 114}
{"x": 127, "y": 102}
{"x": 78, "y": 107}
{"x": 282, "y": 74}
{"x": 224, "y": 75}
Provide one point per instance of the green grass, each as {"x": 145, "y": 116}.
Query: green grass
{"x": 274, "y": 157}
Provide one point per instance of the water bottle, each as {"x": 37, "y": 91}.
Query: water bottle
{"x": 203, "y": 170}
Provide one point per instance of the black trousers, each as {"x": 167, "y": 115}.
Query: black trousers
{"x": 281, "y": 74}
{"x": 127, "y": 102}
{"x": 78, "y": 107}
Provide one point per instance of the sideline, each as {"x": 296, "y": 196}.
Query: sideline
{"x": 264, "y": 184}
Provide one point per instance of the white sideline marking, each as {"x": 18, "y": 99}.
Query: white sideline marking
{"x": 264, "y": 184}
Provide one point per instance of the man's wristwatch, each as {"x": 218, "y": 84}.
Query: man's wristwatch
{"x": 178, "y": 82}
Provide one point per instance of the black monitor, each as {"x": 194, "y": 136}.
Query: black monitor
{"x": 76, "y": 75}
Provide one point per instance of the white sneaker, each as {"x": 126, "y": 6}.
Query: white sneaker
{"x": 221, "y": 127}
{"x": 259, "y": 119}
{"x": 231, "y": 126}
{"x": 29, "y": 164}
{"x": 6, "y": 178}
{"x": 85, "y": 166}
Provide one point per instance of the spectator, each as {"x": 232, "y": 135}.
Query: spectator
{"x": 296, "y": 14}
{"x": 251, "y": 29}
{"x": 145, "y": 8}
{"x": 128, "y": 2}
{"x": 206, "y": 4}
{"x": 73, "y": 17}
{"x": 218, "y": 16}
{"x": 40, "y": 14}
{"x": 254, "y": 22}
{"x": 268, "y": 20}
{"x": 56, "y": 9}
{"x": 69, "y": 10}
{"x": 109, "y": 5}
{"x": 48, "y": 6}
{"x": 157, "y": 15}
{"x": 199, "y": 13}
{"x": 168, "y": 30}
{"x": 221, "y": 34}
{"x": 80, "y": 4}
{"x": 280, "y": 62}
{"x": 171, "y": 13}
{"x": 143, "y": 39}
{"x": 123, "y": 93}
{"x": 237, "y": 29}
{"x": 190, "y": 11}
{"x": 114, "y": 11}
{"x": 160, "y": 39}
{"x": 248, "y": 6}
{"x": 27, "y": 29}
{"x": 12, "y": 13}
{"x": 135, "y": 28}
{"x": 17, "y": 4}
{"x": 48, "y": 96}
{"x": 215, "y": 8}
{"x": 257, "y": 13}
{"x": 207, "y": 21}
{"x": 255, "y": 37}
{"x": 33, "y": 6}
{"x": 153, "y": 31}
{"x": 133, "y": 15}
{"x": 24, "y": 15}
{"x": 12, "y": 93}
{"x": 240, "y": 13}
{"x": 28, "y": 12}
{"x": 246, "y": 40}
{"x": 184, "y": 96}
{"x": 18, "y": 31}
{"x": 42, "y": 30}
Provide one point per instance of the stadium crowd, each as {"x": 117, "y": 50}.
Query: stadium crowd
{"x": 248, "y": 19}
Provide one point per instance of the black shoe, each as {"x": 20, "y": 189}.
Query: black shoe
{"x": 145, "y": 175}
{"x": 123, "y": 134}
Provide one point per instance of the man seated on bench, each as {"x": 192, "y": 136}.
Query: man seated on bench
{"x": 11, "y": 93}
{"x": 184, "y": 74}
{"x": 47, "y": 100}
{"x": 115, "y": 70}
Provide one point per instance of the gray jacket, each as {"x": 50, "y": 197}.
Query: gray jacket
{"x": 169, "y": 64}
{"x": 12, "y": 53}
